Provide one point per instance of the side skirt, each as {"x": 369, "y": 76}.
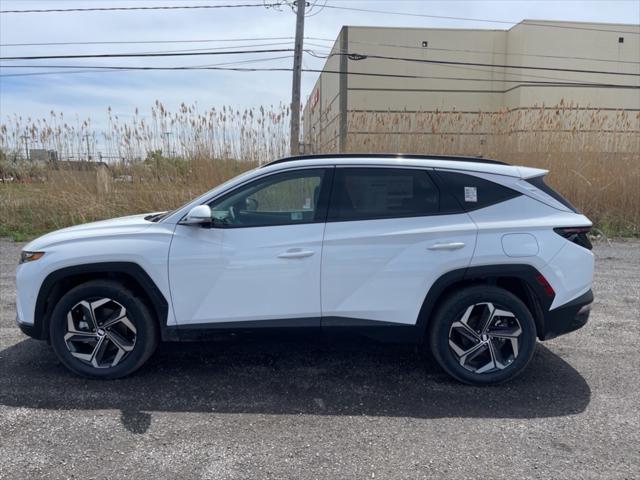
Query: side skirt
{"x": 326, "y": 326}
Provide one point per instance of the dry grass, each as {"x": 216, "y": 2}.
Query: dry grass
{"x": 64, "y": 197}
{"x": 594, "y": 157}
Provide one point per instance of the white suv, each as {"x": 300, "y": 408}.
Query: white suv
{"x": 471, "y": 257}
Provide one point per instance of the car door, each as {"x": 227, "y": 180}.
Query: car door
{"x": 390, "y": 234}
{"x": 260, "y": 260}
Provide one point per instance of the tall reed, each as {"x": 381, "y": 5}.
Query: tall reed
{"x": 159, "y": 161}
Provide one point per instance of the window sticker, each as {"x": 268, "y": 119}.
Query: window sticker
{"x": 296, "y": 215}
{"x": 470, "y": 194}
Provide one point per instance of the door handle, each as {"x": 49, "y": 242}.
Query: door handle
{"x": 446, "y": 246}
{"x": 296, "y": 253}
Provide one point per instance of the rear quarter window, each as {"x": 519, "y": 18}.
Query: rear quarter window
{"x": 472, "y": 193}
{"x": 538, "y": 182}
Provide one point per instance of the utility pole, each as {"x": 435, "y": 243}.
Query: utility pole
{"x": 297, "y": 66}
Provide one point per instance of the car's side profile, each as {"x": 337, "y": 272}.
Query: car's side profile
{"x": 473, "y": 258}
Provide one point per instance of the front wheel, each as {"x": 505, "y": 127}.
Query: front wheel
{"x": 483, "y": 335}
{"x": 100, "y": 329}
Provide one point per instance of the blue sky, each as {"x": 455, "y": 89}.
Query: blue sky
{"x": 89, "y": 94}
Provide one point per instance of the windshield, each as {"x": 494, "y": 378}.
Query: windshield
{"x": 204, "y": 197}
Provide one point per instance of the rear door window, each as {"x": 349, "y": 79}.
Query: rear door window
{"x": 377, "y": 193}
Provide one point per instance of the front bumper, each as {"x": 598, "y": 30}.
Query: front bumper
{"x": 27, "y": 329}
{"x": 568, "y": 317}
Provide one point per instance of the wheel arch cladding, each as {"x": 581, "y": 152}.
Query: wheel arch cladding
{"x": 518, "y": 279}
{"x": 131, "y": 275}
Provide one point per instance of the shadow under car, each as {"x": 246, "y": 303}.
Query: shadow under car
{"x": 290, "y": 376}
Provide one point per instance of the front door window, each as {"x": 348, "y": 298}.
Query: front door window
{"x": 287, "y": 198}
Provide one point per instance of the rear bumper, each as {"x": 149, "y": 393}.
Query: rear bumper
{"x": 568, "y": 317}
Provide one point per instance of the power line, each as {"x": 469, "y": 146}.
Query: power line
{"x": 485, "y": 20}
{"x": 531, "y": 79}
{"x": 520, "y": 75}
{"x": 529, "y": 76}
{"x": 464, "y": 79}
{"x": 112, "y": 9}
{"x": 208, "y": 49}
{"x": 427, "y": 49}
{"x": 353, "y": 56}
{"x": 367, "y": 74}
{"x": 309, "y": 13}
{"x": 143, "y": 42}
{"x": 335, "y": 7}
{"x": 250, "y": 60}
{"x": 99, "y": 69}
{"x": 359, "y": 42}
{"x": 136, "y": 55}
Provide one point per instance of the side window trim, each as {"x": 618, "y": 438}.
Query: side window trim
{"x": 327, "y": 182}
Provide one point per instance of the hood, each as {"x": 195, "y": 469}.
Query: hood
{"x": 102, "y": 229}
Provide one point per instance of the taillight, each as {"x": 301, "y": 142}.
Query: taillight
{"x": 577, "y": 235}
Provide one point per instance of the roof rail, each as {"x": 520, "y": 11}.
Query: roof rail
{"x": 454, "y": 158}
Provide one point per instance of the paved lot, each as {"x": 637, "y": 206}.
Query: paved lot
{"x": 291, "y": 409}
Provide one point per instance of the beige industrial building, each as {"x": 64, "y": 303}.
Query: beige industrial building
{"x": 479, "y": 91}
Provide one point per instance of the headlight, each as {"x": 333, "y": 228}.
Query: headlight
{"x": 30, "y": 256}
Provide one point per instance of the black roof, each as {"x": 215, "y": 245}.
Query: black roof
{"x": 455, "y": 158}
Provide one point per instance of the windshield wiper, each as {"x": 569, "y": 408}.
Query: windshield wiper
{"x": 156, "y": 217}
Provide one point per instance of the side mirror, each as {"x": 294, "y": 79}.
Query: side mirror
{"x": 200, "y": 215}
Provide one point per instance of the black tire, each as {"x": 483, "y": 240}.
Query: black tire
{"x": 452, "y": 310}
{"x": 145, "y": 337}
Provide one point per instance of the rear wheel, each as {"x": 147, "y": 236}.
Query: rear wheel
{"x": 483, "y": 335}
{"x": 101, "y": 329}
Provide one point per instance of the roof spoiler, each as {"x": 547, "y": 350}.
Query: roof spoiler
{"x": 531, "y": 172}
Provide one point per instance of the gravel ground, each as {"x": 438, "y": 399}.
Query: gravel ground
{"x": 355, "y": 409}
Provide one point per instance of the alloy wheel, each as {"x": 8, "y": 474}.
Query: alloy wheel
{"x": 485, "y": 338}
{"x": 99, "y": 333}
